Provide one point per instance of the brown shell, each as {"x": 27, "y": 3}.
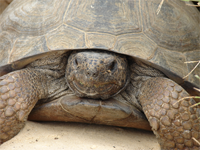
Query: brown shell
{"x": 133, "y": 27}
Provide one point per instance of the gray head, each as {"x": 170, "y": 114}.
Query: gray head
{"x": 97, "y": 74}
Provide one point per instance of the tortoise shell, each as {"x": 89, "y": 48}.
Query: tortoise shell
{"x": 30, "y": 29}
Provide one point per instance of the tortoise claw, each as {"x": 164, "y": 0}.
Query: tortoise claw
{"x": 174, "y": 122}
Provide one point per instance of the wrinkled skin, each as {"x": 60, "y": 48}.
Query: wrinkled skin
{"x": 148, "y": 90}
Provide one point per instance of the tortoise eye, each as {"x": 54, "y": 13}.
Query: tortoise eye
{"x": 76, "y": 61}
{"x": 112, "y": 66}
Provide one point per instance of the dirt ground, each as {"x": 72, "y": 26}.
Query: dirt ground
{"x": 77, "y": 136}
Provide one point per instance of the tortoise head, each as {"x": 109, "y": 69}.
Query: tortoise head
{"x": 97, "y": 74}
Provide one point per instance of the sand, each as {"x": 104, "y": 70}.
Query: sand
{"x": 77, "y": 136}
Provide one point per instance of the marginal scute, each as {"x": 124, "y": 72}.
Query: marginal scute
{"x": 193, "y": 56}
{"x": 163, "y": 57}
{"x": 28, "y": 46}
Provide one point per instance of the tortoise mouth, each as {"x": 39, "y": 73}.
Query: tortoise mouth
{"x": 94, "y": 90}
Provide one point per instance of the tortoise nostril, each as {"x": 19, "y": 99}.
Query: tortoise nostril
{"x": 91, "y": 73}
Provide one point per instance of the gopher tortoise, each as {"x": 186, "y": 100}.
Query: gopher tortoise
{"x": 106, "y": 62}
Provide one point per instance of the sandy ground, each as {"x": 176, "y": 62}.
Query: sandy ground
{"x": 77, "y": 136}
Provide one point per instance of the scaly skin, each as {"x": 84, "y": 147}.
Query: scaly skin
{"x": 18, "y": 95}
{"x": 174, "y": 123}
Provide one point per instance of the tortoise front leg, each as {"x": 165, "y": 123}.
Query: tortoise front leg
{"x": 19, "y": 93}
{"x": 175, "y": 124}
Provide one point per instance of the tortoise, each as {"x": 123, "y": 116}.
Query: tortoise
{"x": 106, "y": 62}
